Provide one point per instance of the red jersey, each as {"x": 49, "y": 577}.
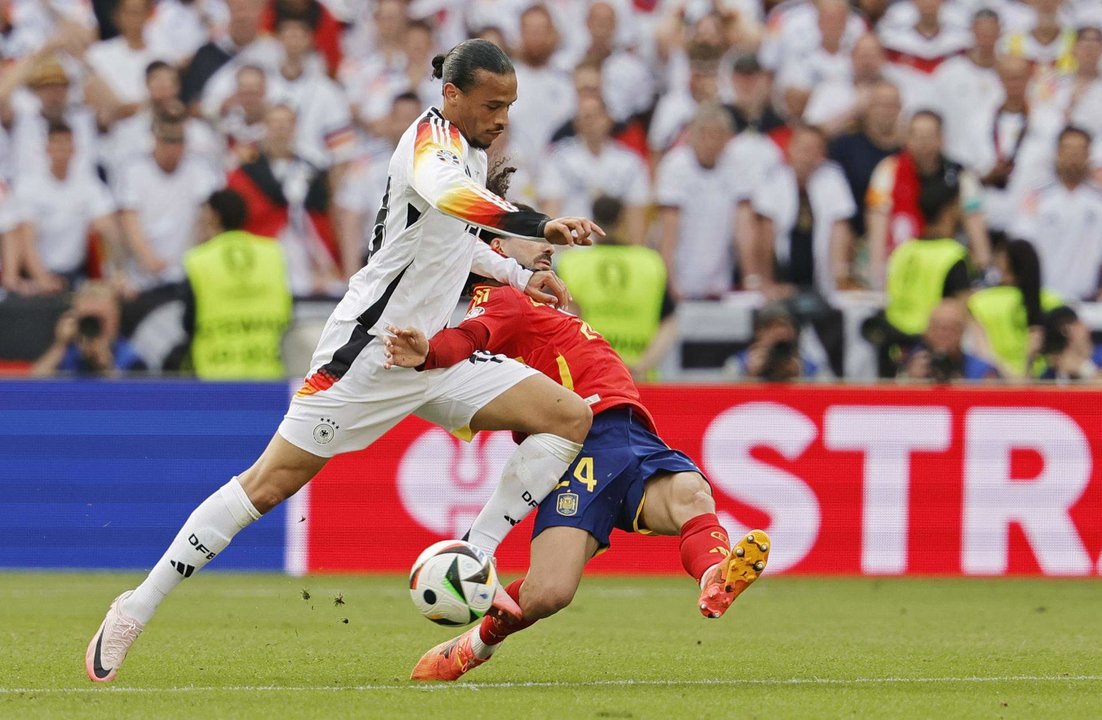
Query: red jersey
{"x": 505, "y": 321}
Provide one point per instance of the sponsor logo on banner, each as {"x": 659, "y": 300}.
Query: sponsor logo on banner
{"x": 444, "y": 482}
{"x": 845, "y": 480}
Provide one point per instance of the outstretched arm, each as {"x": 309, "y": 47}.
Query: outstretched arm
{"x": 493, "y": 322}
{"x": 542, "y": 286}
{"x": 409, "y": 348}
{"x": 438, "y": 176}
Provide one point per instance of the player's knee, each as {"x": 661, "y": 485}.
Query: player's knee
{"x": 265, "y": 498}
{"x": 541, "y": 601}
{"x": 574, "y": 418}
{"x": 691, "y": 495}
{"x": 265, "y": 490}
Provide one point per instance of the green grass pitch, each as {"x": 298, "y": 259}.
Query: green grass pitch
{"x": 250, "y": 646}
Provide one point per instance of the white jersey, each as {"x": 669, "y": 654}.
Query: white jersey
{"x": 425, "y": 242}
{"x": 423, "y": 247}
{"x": 1065, "y": 226}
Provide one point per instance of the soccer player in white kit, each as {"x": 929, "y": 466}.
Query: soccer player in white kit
{"x": 423, "y": 248}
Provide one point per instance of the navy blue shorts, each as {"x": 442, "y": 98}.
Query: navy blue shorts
{"x": 604, "y": 486}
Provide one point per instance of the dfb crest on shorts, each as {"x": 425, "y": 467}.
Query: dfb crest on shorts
{"x": 326, "y": 431}
{"x": 567, "y": 504}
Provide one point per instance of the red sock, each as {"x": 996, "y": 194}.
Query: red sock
{"x": 704, "y": 542}
{"x": 492, "y": 630}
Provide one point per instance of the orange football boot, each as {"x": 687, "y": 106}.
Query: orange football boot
{"x": 742, "y": 566}
{"x": 449, "y": 660}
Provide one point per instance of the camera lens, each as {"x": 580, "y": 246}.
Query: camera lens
{"x": 89, "y": 326}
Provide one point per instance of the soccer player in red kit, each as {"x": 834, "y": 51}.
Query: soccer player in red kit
{"x": 625, "y": 476}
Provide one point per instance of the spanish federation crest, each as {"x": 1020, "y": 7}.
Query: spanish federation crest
{"x": 567, "y": 504}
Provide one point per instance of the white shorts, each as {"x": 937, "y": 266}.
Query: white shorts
{"x": 350, "y": 400}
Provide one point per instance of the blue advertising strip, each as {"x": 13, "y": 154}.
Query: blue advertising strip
{"x": 101, "y": 474}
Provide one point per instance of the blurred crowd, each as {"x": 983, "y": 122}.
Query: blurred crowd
{"x": 937, "y": 151}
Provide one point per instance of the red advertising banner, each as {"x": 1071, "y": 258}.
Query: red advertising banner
{"x": 876, "y": 481}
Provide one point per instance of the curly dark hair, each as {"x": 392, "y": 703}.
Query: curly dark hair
{"x": 499, "y": 177}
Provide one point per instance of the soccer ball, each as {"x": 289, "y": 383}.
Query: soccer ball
{"x": 453, "y": 582}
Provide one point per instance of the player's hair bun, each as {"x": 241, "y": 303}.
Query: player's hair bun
{"x": 460, "y": 65}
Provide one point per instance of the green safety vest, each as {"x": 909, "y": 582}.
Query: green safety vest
{"x": 242, "y": 307}
{"x": 1001, "y": 313}
{"x": 916, "y": 281}
{"x": 619, "y": 289}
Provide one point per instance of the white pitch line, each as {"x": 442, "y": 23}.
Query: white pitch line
{"x": 591, "y": 683}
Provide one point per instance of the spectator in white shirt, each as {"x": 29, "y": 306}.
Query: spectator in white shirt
{"x": 629, "y": 88}
{"x": 360, "y": 191}
{"x": 836, "y": 105}
{"x": 179, "y": 28}
{"x": 545, "y": 99}
{"x": 696, "y": 194}
{"x": 1012, "y": 144}
{"x": 324, "y": 134}
{"x": 35, "y": 22}
{"x": 56, "y": 209}
{"x": 378, "y": 43}
{"x": 122, "y": 60}
{"x": 919, "y": 49}
{"x": 969, "y": 81}
{"x": 371, "y": 84}
{"x": 827, "y": 61}
{"x": 240, "y": 120}
{"x": 1063, "y": 220}
{"x": 1047, "y": 44}
{"x": 591, "y": 164}
{"x": 159, "y": 197}
{"x": 676, "y": 108}
{"x": 209, "y": 75}
{"x": 793, "y": 32}
{"x": 48, "y": 97}
{"x": 804, "y": 241}
{"x": 1078, "y": 94}
{"x": 133, "y": 136}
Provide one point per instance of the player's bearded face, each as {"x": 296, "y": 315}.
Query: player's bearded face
{"x": 482, "y": 112}
{"x": 531, "y": 254}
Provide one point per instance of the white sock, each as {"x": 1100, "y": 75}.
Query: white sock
{"x": 482, "y": 650}
{"x": 206, "y": 532}
{"x": 529, "y": 476}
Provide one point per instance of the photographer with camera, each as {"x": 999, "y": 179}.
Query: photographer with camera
{"x": 1065, "y": 343}
{"x": 921, "y": 273}
{"x": 774, "y": 354}
{"x": 86, "y": 338}
{"x": 939, "y": 357}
